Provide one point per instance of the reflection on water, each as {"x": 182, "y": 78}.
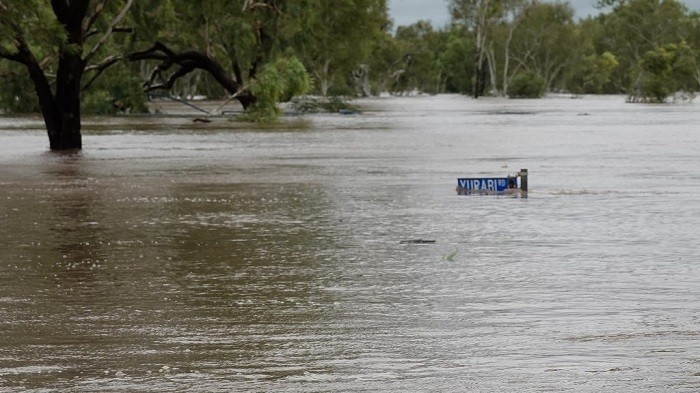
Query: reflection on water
{"x": 227, "y": 259}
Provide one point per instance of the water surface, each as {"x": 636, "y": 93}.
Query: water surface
{"x": 174, "y": 256}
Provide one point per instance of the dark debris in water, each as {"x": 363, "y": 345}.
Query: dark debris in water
{"x": 417, "y": 241}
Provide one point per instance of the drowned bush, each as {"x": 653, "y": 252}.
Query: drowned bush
{"x": 527, "y": 85}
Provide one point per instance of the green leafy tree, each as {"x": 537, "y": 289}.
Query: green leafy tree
{"x": 457, "y": 60}
{"x": 479, "y": 17}
{"x": 665, "y": 71}
{"x": 339, "y": 39}
{"x": 493, "y": 25}
{"x": 61, "y": 46}
{"x": 547, "y": 41}
{"x": 422, "y": 69}
{"x": 592, "y": 73}
{"x": 635, "y": 27}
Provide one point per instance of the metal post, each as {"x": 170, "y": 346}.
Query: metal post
{"x": 523, "y": 179}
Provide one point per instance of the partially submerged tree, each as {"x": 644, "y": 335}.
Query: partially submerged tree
{"x": 339, "y": 38}
{"x": 186, "y": 62}
{"x": 479, "y": 17}
{"x": 547, "y": 41}
{"x": 60, "y": 45}
{"x": 236, "y": 43}
{"x": 635, "y": 27}
{"x": 663, "y": 72}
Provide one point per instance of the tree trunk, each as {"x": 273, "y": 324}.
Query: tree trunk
{"x": 324, "y": 78}
{"x": 491, "y": 61}
{"x": 67, "y": 134}
{"x": 61, "y": 111}
{"x": 480, "y": 82}
{"x": 361, "y": 76}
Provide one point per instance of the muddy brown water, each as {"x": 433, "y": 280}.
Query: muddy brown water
{"x": 174, "y": 256}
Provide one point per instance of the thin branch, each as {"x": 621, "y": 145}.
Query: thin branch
{"x": 231, "y": 97}
{"x": 100, "y": 68}
{"x": 93, "y": 18}
{"x": 253, "y": 5}
{"x": 109, "y": 31}
{"x": 116, "y": 30}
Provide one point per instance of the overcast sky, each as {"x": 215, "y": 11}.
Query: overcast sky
{"x": 406, "y": 12}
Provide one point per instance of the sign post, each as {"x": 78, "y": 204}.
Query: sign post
{"x": 493, "y": 185}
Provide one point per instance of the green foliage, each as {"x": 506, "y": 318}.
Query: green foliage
{"x": 457, "y": 58}
{"x": 339, "y": 38}
{"x": 527, "y": 85}
{"x": 117, "y": 91}
{"x": 665, "y": 71}
{"x": 17, "y": 93}
{"x": 276, "y": 82}
{"x": 297, "y": 80}
{"x": 592, "y": 74}
{"x": 34, "y": 22}
{"x": 635, "y": 27}
{"x": 548, "y": 42}
{"x": 646, "y": 48}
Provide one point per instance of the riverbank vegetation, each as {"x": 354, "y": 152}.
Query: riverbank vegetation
{"x": 65, "y": 58}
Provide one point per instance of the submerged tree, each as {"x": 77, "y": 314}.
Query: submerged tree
{"x": 663, "y": 72}
{"x": 61, "y": 47}
{"x": 479, "y": 17}
{"x": 236, "y": 42}
{"x": 635, "y": 27}
{"x": 339, "y": 39}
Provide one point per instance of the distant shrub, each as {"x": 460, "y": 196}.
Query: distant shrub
{"x": 320, "y": 104}
{"x": 527, "y": 85}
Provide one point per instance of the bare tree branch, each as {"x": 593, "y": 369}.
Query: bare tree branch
{"x": 115, "y": 30}
{"x": 109, "y": 31}
{"x": 100, "y": 68}
{"x": 87, "y": 25}
{"x": 253, "y": 5}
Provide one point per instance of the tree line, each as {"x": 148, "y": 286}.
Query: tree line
{"x": 63, "y": 58}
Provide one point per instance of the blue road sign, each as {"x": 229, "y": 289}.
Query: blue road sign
{"x": 486, "y": 184}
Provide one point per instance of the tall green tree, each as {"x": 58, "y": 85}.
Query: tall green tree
{"x": 456, "y": 59}
{"x": 60, "y": 43}
{"x": 339, "y": 38}
{"x": 478, "y": 16}
{"x": 663, "y": 72}
{"x": 547, "y": 41}
{"x": 422, "y": 69}
{"x": 512, "y": 14}
{"x": 591, "y": 73}
{"x": 635, "y": 27}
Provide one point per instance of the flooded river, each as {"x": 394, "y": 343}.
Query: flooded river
{"x": 176, "y": 256}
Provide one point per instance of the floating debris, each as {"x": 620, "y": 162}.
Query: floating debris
{"x": 417, "y": 241}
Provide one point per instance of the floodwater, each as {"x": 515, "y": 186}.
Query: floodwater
{"x": 176, "y": 256}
